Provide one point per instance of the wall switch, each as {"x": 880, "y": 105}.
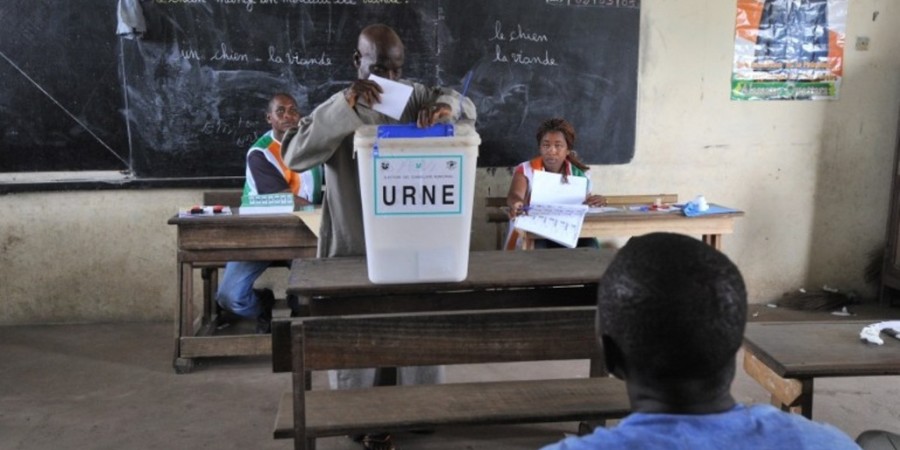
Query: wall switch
{"x": 862, "y": 43}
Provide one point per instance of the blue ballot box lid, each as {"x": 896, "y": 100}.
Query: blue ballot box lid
{"x": 411, "y": 130}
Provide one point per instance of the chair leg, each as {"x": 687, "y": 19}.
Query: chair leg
{"x": 206, "y": 274}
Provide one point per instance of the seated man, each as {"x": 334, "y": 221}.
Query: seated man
{"x": 267, "y": 174}
{"x": 670, "y": 315}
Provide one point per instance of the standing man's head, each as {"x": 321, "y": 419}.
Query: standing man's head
{"x": 379, "y": 51}
{"x": 671, "y": 313}
{"x": 282, "y": 114}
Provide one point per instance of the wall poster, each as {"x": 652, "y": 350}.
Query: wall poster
{"x": 788, "y": 49}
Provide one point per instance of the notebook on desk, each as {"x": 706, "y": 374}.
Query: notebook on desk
{"x": 713, "y": 209}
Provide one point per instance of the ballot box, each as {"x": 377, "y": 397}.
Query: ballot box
{"x": 417, "y": 187}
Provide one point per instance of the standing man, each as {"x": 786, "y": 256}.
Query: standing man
{"x": 326, "y": 137}
{"x": 267, "y": 174}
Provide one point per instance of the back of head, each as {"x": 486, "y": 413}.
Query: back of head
{"x": 673, "y": 305}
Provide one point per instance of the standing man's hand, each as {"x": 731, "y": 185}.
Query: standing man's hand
{"x": 366, "y": 90}
{"x": 433, "y": 114}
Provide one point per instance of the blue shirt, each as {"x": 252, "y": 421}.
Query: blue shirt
{"x": 753, "y": 427}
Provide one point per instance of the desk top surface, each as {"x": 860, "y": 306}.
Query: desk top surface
{"x": 626, "y": 215}
{"x": 234, "y": 219}
{"x": 674, "y": 213}
{"x": 307, "y": 215}
{"x": 487, "y": 270}
{"x": 821, "y": 349}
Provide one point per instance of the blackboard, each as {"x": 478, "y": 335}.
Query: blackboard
{"x": 188, "y": 98}
{"x": 61, "y": 97}
{"x": 537, "y": 59}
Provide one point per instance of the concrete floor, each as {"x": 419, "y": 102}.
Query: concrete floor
{"x": 111, "y": 386}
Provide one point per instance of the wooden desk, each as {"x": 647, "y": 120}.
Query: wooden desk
{"x": 635, "y": 223}
{"x": 785, "y": 358}
{"x": 496, "y": 280}
{"x": 216, "y": 240}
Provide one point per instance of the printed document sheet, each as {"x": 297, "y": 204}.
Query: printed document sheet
{"x": 559, "y": 223}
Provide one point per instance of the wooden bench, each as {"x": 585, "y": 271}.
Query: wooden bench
{"x": 439, "y": 338}
{"x": 497, "y": 215}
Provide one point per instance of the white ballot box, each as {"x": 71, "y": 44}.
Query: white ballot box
{"x": 417, "y": 189}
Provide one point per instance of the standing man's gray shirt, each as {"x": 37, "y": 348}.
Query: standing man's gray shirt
{"x": 326, "y": 137}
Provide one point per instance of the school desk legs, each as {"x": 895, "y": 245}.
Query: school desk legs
{"x": 789, "y": 394}
{"x": 714, "y": 240}
{"x": 210, "y": 276}
{"x": 803, "y": 404}
{"x": 184, "y": 316}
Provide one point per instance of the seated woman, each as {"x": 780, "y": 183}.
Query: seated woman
{"x": 556, "y": 140}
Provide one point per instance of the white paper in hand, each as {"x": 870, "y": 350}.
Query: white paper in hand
{"x": 547, "y": 187}
{"x": 394, "y": 97}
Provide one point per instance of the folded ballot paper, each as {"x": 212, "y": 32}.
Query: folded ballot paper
{"x": 394, "y": 97}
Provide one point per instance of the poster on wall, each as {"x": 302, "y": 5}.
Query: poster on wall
{"x": 788, "y": 49}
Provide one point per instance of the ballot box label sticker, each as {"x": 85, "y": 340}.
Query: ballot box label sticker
{"x": 418, "y": 185}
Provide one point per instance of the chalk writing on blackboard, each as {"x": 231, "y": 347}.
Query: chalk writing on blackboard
{"x": 518, "y": 56}
{"x": 600, "y": 3}
{"x": 188, "y": 98}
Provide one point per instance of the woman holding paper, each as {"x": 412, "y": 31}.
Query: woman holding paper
{"x": 556, "y": 139}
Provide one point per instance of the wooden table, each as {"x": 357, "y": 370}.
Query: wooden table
{"x": 635, "y": 223}
{"x": 205, "y": 242}
{"x": 558, "y": 277}
{"x": 496, "y": 280}
{"x": 785, "y": 357}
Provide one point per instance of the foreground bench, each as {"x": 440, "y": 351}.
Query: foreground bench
{"x": 462, "y": 337}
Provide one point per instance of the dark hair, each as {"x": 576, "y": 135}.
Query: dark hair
{"x": 674, "y": 305}
{"x": 276, "y": 95}
{"x": 568, "y": 132}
